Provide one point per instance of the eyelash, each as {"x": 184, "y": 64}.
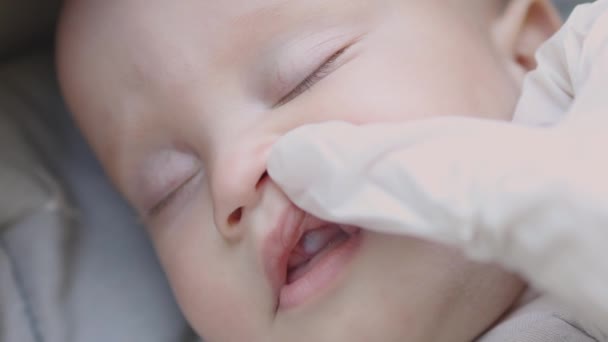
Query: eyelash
{"x": 320, "y": 73}
{"x": 169, "y": 199}
{"x": 157, "y": 209}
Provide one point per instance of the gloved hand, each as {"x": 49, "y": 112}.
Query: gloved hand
{"x": 533, "y": 199}
{"x": 434, "y": 179}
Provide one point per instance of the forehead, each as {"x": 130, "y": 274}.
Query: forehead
{"x": 132, "y": 47}
{"x": 146, "y": 43}
{"x": 227, "y": 22}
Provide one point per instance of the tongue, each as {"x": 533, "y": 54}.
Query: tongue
{"x": 312, "y": 243}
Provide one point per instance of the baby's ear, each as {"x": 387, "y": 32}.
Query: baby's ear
{"x": 522, "y": 27}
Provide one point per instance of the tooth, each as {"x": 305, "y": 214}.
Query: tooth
{"x": 313, "y": 242}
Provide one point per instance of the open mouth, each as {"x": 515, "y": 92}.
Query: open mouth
{"x": 320, "y": 256}
{"x": 304, "y": 255}
{"x": 313, "y": 246}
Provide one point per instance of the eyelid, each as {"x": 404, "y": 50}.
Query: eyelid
{"x": 168, "y": 200}
{"x": 162, "y": 176}
{"x": 326, "y": 68}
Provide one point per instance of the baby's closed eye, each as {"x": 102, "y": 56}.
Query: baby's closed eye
{"x": 326, "y": 68}
{"x": 303, "y": 62}
{"x": 163, "y": 177}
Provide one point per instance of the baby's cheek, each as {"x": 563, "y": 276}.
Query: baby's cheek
{"x": 205, "y": 288}
{"x": 366, "y": 91}
{"x": 202, "y": 274}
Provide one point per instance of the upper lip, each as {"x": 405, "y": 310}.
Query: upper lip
{"x": 282, "y": 240}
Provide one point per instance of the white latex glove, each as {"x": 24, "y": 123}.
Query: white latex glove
{"x": 427, "y": 179}
{"x": 535, "y": 200}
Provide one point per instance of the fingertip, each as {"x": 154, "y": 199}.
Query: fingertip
{"x": 306, "y": 160}
{"x": 285, "y": 166}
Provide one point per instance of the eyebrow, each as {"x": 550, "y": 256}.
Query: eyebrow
{"x": 263, "y": 14}
{"x": 275, "y": 17}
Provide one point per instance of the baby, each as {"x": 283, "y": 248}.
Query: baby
{"x": 182, "y": 100}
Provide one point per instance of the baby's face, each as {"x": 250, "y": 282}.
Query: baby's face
{"x": 182, "y": 101}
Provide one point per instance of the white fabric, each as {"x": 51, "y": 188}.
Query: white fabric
{"x": 533, "y": 198}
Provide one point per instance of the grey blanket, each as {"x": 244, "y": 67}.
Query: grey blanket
{"x": 75, "y": 266}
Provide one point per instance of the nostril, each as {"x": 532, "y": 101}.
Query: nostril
{"x": 235, "y": 217}
{"x": 261, "y": 180}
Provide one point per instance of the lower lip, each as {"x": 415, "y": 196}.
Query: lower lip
{"x": 321, "y": 276}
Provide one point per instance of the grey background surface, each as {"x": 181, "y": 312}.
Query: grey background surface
{"x": 565, "y": 6}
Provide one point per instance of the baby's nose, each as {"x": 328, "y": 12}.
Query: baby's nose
{"x": 237, "y": 172}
